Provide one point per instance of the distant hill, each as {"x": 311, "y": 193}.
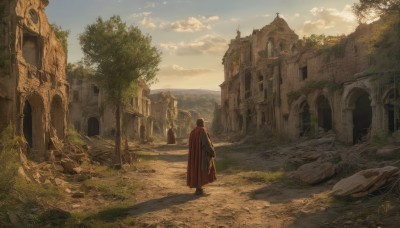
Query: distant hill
{"x": 187, "y": 91}
{"x": 201, "y": 101}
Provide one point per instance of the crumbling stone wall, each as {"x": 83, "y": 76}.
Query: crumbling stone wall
{"x": 306, "y": 92}
{"x": 164, "y": 111}
{"x": 91, "y": 115}
{"x": 33, "y": 81}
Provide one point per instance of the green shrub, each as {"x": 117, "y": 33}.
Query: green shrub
{"x": 8, "y": 161}
{"x": 74, "y": 137}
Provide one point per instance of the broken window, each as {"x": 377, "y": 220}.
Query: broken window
{"x": 303, "y": 73}
{"x": 30, "y": 49}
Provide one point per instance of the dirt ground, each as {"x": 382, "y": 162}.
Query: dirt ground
{"x": 253, "y": 189}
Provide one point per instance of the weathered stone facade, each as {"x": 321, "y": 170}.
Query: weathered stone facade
{"x": 164, "y": 111}
{"x": 33, "y": 86}
{"x": 91, "y": 115}
{"x": 270, "y": 82}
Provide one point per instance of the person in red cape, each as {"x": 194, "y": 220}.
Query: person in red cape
{"x": 171, "y": 139}
{"x": 201, "y": 166}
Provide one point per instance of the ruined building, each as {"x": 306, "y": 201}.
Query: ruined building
{"x": 164, "y": 111}
{"x": 33, "y": 86}
{"x": 274, "y": 82}
{"x": 91, "y": 115}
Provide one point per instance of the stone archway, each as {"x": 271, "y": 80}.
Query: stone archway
{"x": 33, "y": 122}
{"x": 324, "y": 113}
{"x": 361, "y": 114}
{"x": 57, "y": 115}
{"x": 93, "y": 127}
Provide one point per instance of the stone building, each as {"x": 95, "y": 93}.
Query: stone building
{"x": 164, "y": 111}
{"x": 273, "y": 82}
{"x": 33, "y": 86}
{"x": 90, "y": 114}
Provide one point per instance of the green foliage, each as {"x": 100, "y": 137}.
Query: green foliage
{"x": 79, "y": 70}
{"x": 8, "y": 161}
{"x": 74, "y": 137}
{"x": 384, "y": 54}
{"x": 311, "y": 86}
{"x": 204, "y": 104}
{"x": 122, "y": 55}
{"x": 62, "y": 35}
{"x": 367, "y": 10}
{"x": 264, "y": 177}
{"x": 380, "y": 138}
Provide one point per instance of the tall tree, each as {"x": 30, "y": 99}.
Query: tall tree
{"x": 121, "y": 55}
{"x": 367, "y": 10}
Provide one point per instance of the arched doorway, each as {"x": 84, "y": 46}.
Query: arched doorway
{"x": 324, "y": 113}
{"x": 93, "y": 126}
{"x": 362, "y": 116}
{"x": 57, "y": 115}
{"x": 305, "y": 119}
{"x": 33, "y": 122}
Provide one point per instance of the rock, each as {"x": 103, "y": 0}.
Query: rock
{"x": 77, "y": 170}
{"x": 78, "y": 195}
{"x": 55, "y": 216}
{"x": 364, "y": 182}
{"x": 68, "y": 165}
{"x": 315, "y": 172}
{"x": 59, "y": 167}
{"x": 59, "y": 182}
{"x": 388, "y": 151}
{"x": 21, "y": 173}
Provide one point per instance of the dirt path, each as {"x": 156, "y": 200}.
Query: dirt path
{"x": 166, "y": 201}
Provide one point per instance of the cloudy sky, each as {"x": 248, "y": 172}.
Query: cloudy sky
{"x": 193, "y": 35}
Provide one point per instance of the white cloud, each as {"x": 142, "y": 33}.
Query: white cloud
{"x": 329, "y": 18}
{"x": 178, "y": 71}
{"x": 207, "y": 44}
{"x": 193, "y": 24}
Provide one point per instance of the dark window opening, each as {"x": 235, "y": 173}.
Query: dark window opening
{"x": 96, "y": 90}
{"x": 324, "y": 113}
{"x": 303, "y": 73}
{"x": 362, "y": 118}
{"x": 93, "y": 126}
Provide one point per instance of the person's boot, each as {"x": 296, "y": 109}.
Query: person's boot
{"x": 199, "y": 191}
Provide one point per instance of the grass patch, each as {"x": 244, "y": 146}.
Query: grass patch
{"x": 111, "y": 216}
{"x": 264, "y": 177}
{"x": 120, "y": 189}
{"x": 74, "y": 137}
{"x": 143, "y": 157}
{"x": 226, "y": 164}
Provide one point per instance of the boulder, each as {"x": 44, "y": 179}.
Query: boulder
{"x": 68, "y": 165}
{"x": 364, "y": 182}
{"x": 388, "y": 151}
{"x": 315, "y": 172}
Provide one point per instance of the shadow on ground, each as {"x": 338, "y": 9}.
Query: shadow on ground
{"x": 113, "y": 214}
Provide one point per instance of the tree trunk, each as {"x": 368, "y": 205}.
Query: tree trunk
{"x": 118, "y": 160}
